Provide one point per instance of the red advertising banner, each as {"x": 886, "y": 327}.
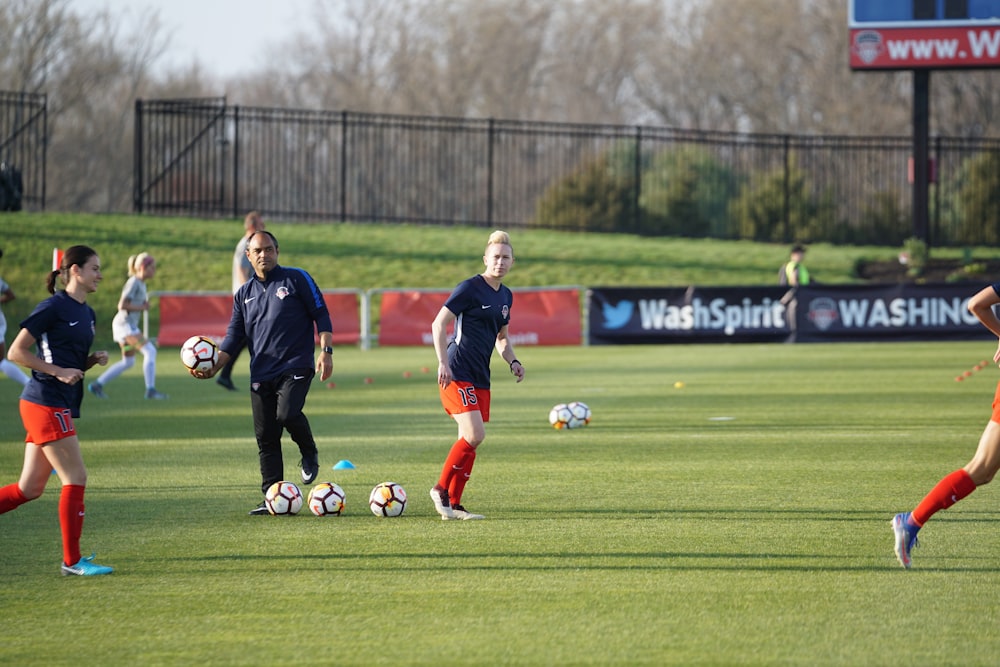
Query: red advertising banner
{"x": 184, "y": 315}
{"x": 925, "y": 48}
{"x": 539, "y": 317}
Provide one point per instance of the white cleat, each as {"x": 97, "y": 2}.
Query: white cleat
{"x": 442, "y": 504}
{"x": 464, "y": 514}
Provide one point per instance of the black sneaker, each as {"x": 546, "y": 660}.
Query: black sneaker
{"x": 260, "y": 510}
{"x": 226, "y": 383}
{"x": 310, "y": 467}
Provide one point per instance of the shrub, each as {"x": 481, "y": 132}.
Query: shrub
{"x": 591, "y": 199}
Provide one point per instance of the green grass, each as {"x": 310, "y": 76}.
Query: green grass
{"x": 197, "y": 254}
{"x": 658, "y": 535}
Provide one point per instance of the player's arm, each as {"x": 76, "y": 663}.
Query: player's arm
{"x": 439, "y": 332}
{"x": 324, "y": 362}
{"x": 20, "y": 353}
{"x": 125, "y": 302}
{"x": 506, "y": 350}
{"x": 981, "y": 305}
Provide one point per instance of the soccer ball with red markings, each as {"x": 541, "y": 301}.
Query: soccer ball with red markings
{"x": 569, "y": 415}
{"x": 283, "y": 498}
{"x": 326, "y": 499}
{"x": 560, "y": 416}
{"x": 387, "y": 499}
{"x": 199, "y": 353}
{"x": 581, "y": 414}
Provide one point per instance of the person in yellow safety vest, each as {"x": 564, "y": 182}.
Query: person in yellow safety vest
{"x": 794, "y": 273}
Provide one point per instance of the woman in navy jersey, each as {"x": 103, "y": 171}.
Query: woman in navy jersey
{"x": 61, "y": 328}
{"x": 984, "y": 464}
{"x": 479, "y": 308}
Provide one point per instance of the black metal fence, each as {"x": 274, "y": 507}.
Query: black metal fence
{"x": 23, "y": 142}
{"x": 203, "y": 157}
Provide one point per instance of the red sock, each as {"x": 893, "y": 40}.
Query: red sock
{"x": 71, "y": 521}
{"x": 454, "y": 462}
{"x": 952, "y": 488}
{"x": 461, "y": 478}
{"x": 11, "y": 497}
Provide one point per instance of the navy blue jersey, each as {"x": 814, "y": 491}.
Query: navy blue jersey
{"x": 480, "y": 312}
{"x": 278, "y": 318}
{"x": 63, "y": 329}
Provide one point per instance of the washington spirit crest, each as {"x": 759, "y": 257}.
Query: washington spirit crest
{"x": 823, "y": 313}
{"x": 868, "y": 45}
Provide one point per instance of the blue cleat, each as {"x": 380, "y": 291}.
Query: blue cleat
{"x": 86, "y": 567}
{"x": 906, "y": 538}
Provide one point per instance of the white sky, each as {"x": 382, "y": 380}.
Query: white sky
{"x": 220, "y": 34}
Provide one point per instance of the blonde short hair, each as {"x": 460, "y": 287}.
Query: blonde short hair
{"x": 500, "y": 237}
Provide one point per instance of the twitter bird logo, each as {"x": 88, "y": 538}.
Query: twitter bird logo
{"x": 615, "y": 317}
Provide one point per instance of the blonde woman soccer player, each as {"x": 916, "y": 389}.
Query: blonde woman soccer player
{"x": 62, "y": 329}
{"x": 480, "y": 310}
{"x": 125, "y": 329}
{"x": 958, "y": 484}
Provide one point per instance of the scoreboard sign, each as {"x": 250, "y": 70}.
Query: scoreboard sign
{"x": 924, "y": 34}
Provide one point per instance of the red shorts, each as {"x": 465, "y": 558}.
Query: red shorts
{"x": 996, "y": 405}
{"x": 45, "y": 424}
{"x": 459, "y": 397}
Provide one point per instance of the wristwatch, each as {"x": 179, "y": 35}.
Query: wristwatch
{"x": 328, "y": 349}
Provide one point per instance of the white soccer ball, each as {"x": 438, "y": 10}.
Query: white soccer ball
{"x": 326, "y": 499}
{"x": 560, "y": 416}
{"x": 387, "y": 499}
{"x": 199, "y": 353}
{"x": 283, "y": 498}
{"x": 580, "y": 414}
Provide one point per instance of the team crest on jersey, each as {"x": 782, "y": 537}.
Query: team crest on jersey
{"x": 282, "y": 292}
{"x": 506, "y": 311}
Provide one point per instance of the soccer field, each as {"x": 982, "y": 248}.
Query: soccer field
{"x": 740, "y": 519}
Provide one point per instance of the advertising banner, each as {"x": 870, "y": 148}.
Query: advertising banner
{"x": 539, "y": 316}
{"x": 624, "y": 315}
{"x": 888, "y": 312}
{"x": 821, "y": 313}
{"x": 184, "y": 314}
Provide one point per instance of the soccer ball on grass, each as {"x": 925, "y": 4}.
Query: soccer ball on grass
{"x": 569, "y": 415}
{"x": 283, "y": 498}
{"x": 326, "y": 499}
{"x": 199, "y": 353}
{"x": 387, "y": 499}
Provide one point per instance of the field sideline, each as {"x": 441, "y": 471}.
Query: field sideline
{"x": 742, "y": 519}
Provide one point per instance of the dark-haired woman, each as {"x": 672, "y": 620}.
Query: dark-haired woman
{"x": 61, "y": 330}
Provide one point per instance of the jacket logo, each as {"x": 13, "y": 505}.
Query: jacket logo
{"x": 282, "y": 292}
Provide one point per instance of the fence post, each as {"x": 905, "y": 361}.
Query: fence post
{"x": 490, "y": 135}
{"x": 45, "y": 150}
{"x": 343, "y": 166}
{"x": 785, "y": 205}
{"x": 637, "y": 180}
{"x": 236, "y": 161}
{"x": 137, "y": 159}
{"x": 937, "y": 190}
